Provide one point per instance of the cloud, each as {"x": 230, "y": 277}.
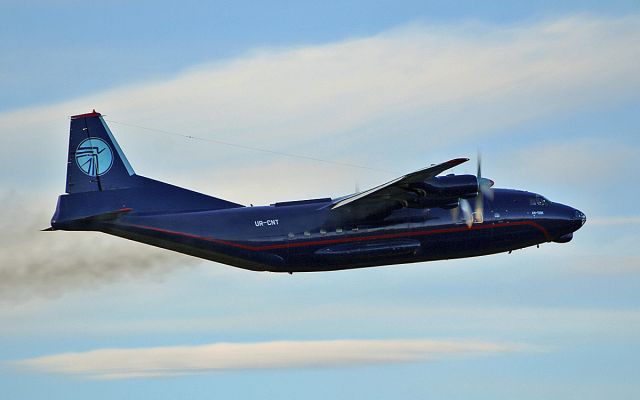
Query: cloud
{"x": 589, "y": 173}
{"x": 347, "y": 318}
{"x": 615, "y": 220}
{"x": 431, "y": 86}
{"x": 183, "y": 360}
{"x": 572, "y": 161}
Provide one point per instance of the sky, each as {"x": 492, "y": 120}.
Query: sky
{"x": 548, "y": 91}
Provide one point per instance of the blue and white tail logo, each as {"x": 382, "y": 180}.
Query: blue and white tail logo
{"x": 94, "y": 157}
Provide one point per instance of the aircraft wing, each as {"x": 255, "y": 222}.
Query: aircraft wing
{"x": 390, "y": 194}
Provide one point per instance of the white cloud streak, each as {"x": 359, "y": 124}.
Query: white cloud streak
{"x": 573, "y": 162}
{"x": 183, "y": 360}
{"x": 432, "y": 87}
{"x": 586, "y": 172}
{"x": 615, "y": 220}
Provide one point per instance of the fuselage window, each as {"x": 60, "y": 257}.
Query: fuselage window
{"x": 338, "y": 230}
{"x": 291, "y": 235}
{"x": 307, "y": 233}
{"x": 323, "y": 232}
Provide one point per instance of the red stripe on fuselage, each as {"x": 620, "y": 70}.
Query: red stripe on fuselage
{"x": 87, "y": 115}
{"x": 350, "y": 239}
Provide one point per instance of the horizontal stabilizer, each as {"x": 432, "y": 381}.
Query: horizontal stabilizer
{"x": 82, "y": 221}
{"x": 108, "y": 216}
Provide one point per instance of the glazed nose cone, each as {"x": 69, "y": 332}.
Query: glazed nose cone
{"x": 574, "y": 218}
{"x": 568, "y": 220}
{"x": 579, "y": 217}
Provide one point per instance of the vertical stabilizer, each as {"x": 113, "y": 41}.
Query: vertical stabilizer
{"x": 101, "y": 182}
{"x": 95, "y": 162}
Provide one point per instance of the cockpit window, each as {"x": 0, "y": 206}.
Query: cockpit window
{"x": 538, "y": 201}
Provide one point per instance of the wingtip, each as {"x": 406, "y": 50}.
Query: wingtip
{"x": 49, "y": 229}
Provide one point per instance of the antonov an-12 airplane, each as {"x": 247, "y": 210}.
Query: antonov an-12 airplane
{"x": 421, "y": 216}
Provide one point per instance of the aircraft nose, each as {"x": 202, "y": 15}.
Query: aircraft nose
{"x": 574, "y": 217}
{"x": 569, "y": 220}
{"x": 579, "y": 216}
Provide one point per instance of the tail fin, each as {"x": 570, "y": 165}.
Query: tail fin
{"x": 96, "y": 162}
{"x": 101, "y": 182}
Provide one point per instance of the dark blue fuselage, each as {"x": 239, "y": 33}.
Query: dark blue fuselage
{"x": 307, "y": 236}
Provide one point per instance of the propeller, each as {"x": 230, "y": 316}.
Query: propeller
{"x": 454, "y": 212}
{"x": 467, "y": 213}
{"x": 484, "y": 184}
{"x": 484, "y": 189}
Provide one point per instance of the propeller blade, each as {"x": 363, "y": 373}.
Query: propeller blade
{"x": 455, "y": 212}
{"x": 479, "y": 213}
{"x": 467, "y": 213}
{"x": 484, "y": 189}
{"x": 484, "y": 184}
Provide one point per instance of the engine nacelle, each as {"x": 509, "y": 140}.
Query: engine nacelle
{"x": 450, "y": 186}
